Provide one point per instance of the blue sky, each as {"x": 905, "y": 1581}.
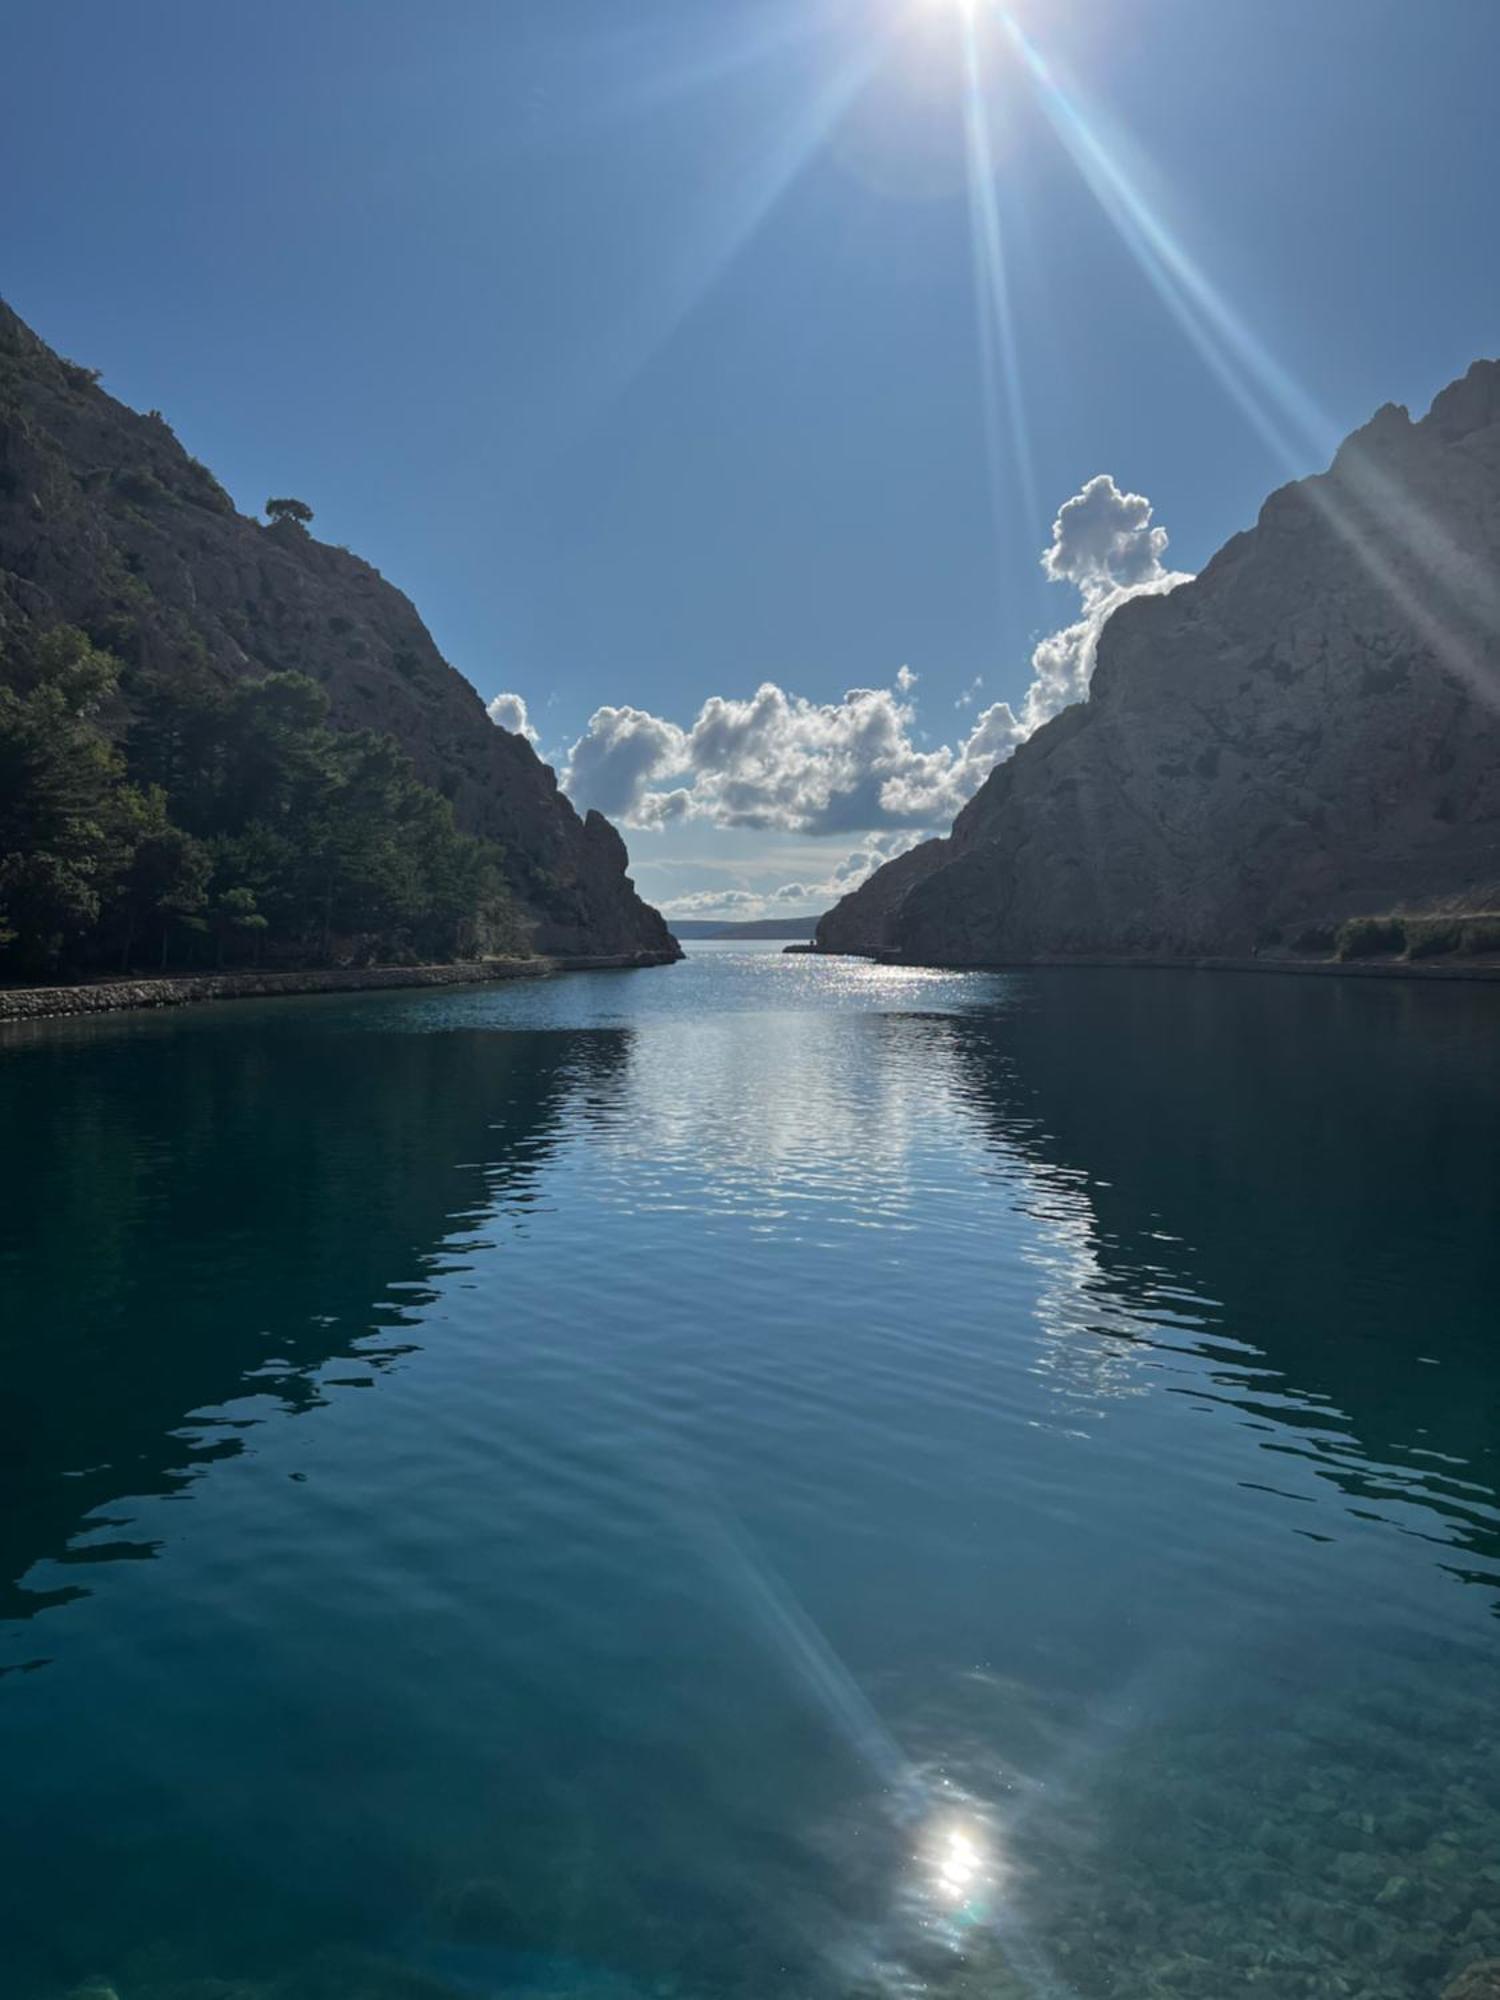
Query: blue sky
{"x": 644, "y": 344}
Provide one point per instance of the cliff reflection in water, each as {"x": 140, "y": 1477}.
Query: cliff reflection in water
{"x": 1252, "y": 1161}
{"x": 203, "y": 1228}
{"x": 1275, "y": 1204}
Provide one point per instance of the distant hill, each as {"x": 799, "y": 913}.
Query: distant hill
{"x": 763, "y": 927}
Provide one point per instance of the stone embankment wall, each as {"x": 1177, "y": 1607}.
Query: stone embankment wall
{"x": 40, "y": 1003}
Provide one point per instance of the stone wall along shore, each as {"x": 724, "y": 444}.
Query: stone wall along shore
{"x": 108, "y": 996}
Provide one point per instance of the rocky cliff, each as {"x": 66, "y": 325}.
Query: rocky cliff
{"x": 106, "y": 523}
{"x": 1308, "y": 731}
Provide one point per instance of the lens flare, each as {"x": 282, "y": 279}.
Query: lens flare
{"x": 999, "y": 354}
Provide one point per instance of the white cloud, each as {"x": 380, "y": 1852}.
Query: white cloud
{"x": 617, "y": 757}
{"x": 778, "y": 761}
{"x": 1103, "y": 539}
{"x": 713, "y": 902}
{"x": 658, "y": 809}
{"x": 508, "y": 711}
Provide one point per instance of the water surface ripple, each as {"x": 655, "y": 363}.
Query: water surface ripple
{"x": 772, "y": 1477}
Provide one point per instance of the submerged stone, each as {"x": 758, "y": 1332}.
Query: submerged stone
{"x": 1480, "y": 1981}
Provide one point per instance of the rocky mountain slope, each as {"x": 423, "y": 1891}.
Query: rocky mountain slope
{"x": 107, "y": 524}
{"x": 1309, "y": 731}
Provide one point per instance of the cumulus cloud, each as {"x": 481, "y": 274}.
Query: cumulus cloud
{"x": 617, "y": 757}
{"x": 1103, "y": 539}
{"x": 870, "y": 855}
{"x": 714, "y": 902}
{"x": 659, "y": 809}
{"x": 774, "y": 760}
{"x": 779, "y": 760}
{"x": 508, "y": 711}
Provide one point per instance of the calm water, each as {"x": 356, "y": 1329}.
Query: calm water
{"x": 764, "y": 1478}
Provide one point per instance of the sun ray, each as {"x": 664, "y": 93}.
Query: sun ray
{"x": 999, "y": 357}
{"x": 733, "y": 212}
{"x": 1432, "y": 582}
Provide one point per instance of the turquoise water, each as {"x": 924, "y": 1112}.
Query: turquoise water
{"x": 769, "y": 1477}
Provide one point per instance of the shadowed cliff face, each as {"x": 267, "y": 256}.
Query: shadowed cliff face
{"x": 1309, "y": 730}
{"x": 108, "y": 524}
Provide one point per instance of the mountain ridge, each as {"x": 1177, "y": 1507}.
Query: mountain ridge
{"x": 108, "y": 525}
{"x": 1306, "y": 733}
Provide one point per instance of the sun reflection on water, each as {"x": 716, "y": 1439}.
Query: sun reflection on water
{"x": 960, "y": 1865}
{"x": 959, "y": 1856}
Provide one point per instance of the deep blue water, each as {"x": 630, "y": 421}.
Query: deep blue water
{"x": 767, "y": 1477}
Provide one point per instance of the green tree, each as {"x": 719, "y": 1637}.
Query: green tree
{"x": 289, "y": 510}
{"x": 60, "y": 779}
{"x": 164, "y": 875}
{"x": 234, "y": 812}
{"x": 268, "y": 753}
{"x": 235, "y": 917}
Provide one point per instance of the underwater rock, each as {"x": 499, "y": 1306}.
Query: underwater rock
{"x": 1480, "y": 1981}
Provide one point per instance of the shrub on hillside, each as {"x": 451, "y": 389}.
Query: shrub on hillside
{"x": 1371, "y": 937}
{"x": 1432, "y": 937}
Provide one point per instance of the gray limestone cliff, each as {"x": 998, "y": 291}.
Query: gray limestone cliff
{"x": 1306, "y": 732}
{"x": 106, "y": 523}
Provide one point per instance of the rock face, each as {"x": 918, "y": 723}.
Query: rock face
{"x": 1308, "y": 731}
{"x": 106, "y": 523}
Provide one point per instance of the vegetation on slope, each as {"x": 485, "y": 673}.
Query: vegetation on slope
{"x": 1475, "y": 933}
{"x": 194, "y": 823}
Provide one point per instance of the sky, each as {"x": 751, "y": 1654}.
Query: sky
{"x": 765, "y": 402}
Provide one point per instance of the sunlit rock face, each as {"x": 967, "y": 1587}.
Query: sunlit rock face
{"x": 108, "y": 524}
{"x": 1308, "y": 731}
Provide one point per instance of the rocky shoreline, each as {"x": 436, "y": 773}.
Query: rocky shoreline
{"x": 43, "y": 1003}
